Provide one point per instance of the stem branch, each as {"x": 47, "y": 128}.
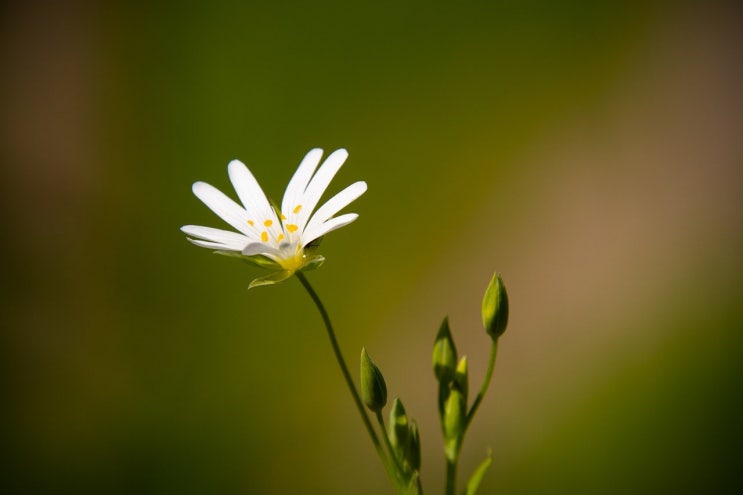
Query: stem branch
{"x": 344, "y": 368}
{"x": 485, "y": 383}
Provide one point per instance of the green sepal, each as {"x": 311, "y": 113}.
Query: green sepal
{"x": 454, "y": 421}
{"x": 373, "y": 387}
{"x": 495, "y": 307}
{"x": 461, "y": 377}
{"x": 312, "y": 262}
{"x": 444, "y": 353}
{"x": 474, "y": 482}
{"x": 271, "y": 278}
{"x": 257, "y": 260}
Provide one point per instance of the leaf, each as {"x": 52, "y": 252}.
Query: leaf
{"x": 474, "y": 483}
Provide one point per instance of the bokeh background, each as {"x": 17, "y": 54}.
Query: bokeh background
{"x": 592, "y": 152}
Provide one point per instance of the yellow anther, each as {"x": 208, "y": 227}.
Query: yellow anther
{"x": 251, "y": 223}
{"x": 268, "y": 223}
{"x": 283, "y": 217}
{"x": 280, "y": 237}
{"x": 291, "y": 227}
{"x": 297, "y": 209}
{"x": 264, "y": 236}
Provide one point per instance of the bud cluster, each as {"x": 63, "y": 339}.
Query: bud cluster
{"x": 453, "y": 378}
{"x": 402, "y": 434}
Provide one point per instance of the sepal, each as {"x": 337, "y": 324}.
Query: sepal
{"x": 256, "y": 260}
{"x": 312, "y": 262}
{"x": 271, "y": 278}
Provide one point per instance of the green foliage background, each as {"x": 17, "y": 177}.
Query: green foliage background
{"x": 589, "y": 151}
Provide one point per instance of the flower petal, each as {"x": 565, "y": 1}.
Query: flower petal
{"x": 261, "y": 248}
{"x": 320, "y": 181}
{"x": 336, "y": 204}
{"x": 234, "y": 240}
{"x": 224, "y": 207}
{"x": 210, "y": 245}
{"x": 300, "y": 179}
{"x": 329, "y": 226}
{"x": 249, "y": 191}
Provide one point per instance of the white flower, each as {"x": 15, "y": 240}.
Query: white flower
{"x": 263, "y": 231}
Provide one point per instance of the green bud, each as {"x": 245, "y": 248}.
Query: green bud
{"x": 414, "y": 447}
{"x": 461, "y": 377}
{"x": 455, "y": 416}
{"x": 444, "y": 353}
{"x": 373, "y": 388}
{"x": 398, "y": 429}
{"x": 495, "y": 307}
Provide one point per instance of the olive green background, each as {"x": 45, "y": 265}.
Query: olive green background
{"x": 589, "y": 151}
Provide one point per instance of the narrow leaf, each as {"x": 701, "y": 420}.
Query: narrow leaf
{"x": 474, "y": 483}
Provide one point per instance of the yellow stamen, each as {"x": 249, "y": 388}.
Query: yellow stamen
{"x": 280, "y": 237}
{"x": 264, "y": 236}
{"x": 251, "y": 223}
{"x": 291, "y": 227}
{"x": 283, "y": 217}
{"x": 297, "y": 208}
{"x": 268, "y": 223}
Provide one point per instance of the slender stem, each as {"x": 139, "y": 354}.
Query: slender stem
{"x": 395, "y": 460}
{"x": 451, "y": 476}
{"x": 344, "y": 368}
{"x": 485, "y": 383}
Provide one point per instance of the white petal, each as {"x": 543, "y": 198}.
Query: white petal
{"x": 300, "y": 179}
{"x": 260, "y": 248}
{"x": 319, "y": 183}
{"x": 329, "y": 226}
{"x": 211, "y": 245}
{"x": 249, "y": 191}
{"x": 336, "y": 204}
{"x": 224, "y": 207}
{"x": 234, "y": 240}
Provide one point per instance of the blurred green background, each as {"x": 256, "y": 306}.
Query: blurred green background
{"x": 591, "y": 152}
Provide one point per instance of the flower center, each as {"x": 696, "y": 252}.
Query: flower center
{"x": 291, "y": 258}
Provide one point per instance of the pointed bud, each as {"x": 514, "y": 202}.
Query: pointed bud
{"x": 414, "y": 447}
{"x": 461, "y": 377}
{"x": 455, "y": 415}
{"x": 398, "y": 429}
{"x": 495, "y": 307}
{"x": 373, "y": 388}
{"x": 444, "y": 353}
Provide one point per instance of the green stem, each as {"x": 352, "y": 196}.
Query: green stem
{"x": 451, "y": 476}
{"x": 344, "y": 368}
{"x": 395, "y": 460}
{"x": 485, "y": 384}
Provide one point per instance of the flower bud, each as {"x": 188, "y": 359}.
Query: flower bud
{"x": 495, "y": 307}
{"x": 455, "y": 417}
{"x": 444, "y": 353}
{"x": 461, "y": 377}
{"x": 398, "y": 429}
{"x": 373, "y": 388}
{"x": 414, "y": 448}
